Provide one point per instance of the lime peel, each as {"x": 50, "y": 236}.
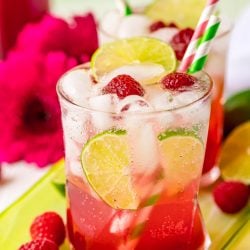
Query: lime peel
{"x": 178, "y": 132}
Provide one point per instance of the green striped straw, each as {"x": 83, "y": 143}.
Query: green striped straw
{"x": 124, "y": 7}
{"x": 204, "y": 45}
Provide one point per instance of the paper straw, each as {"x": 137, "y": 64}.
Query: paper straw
{"x": 205, "y": 45}
{"x": 124, "y": 7}
{"x": 198, "y": 33}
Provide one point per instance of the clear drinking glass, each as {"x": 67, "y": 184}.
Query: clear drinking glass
{"x": 154, "y": 198}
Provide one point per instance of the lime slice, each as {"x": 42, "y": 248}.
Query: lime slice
{"x": 182, "y": 155}
{"x": 106, "y": 163}
{"x": 131, "y": 51}
{"x": 183, "y": 13}
{"x": 237, "y": 110}
{"x": 235, "y": 156}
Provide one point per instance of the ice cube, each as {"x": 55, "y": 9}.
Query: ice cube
{"x": 134, "y": 25}
{"x": 159, "y": 98}
{"x": 133, "y": 103}
{"x": 144, "y": 147}
{"x": 75, "y": 169}
{"x": 77, "y": 85}
{"x": 144, "y": 73}
{"x": 110, "y": 22}
{"x": 162, "y": 102}
{"x": 74, "y": 126}
{"x": 184, "y": 98}
{"x": 164, "y": 34}
{"x": 72, "y": 148}
{"x": 109, "y": 26}
{"x": 121, "y": 222}
{"x": 103, "y": 105}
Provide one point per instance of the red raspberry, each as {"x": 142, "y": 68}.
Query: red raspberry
{"x": 39, "y": 244}
{"x": 231, "y": 196}
{"x": 159, "y": 25}
{"x": 156, "y": 26}
{"x": 50, "y": 226}
{"x": 122, "y": 86}
{"x": 177, "y": 81}
{"x": 180, "y": 42}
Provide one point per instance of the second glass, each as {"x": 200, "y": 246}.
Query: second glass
{"x": 215, "y": 67}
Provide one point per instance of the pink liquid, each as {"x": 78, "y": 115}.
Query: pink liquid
{"x": 13, "y": 15}
{"x": 173, "y": 222}
{"x": 215, "y": 131}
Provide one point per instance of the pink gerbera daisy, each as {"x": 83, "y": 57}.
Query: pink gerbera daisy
{"x": 30, "y": 122}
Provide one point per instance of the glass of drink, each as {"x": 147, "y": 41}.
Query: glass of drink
{"x": 115, "y": 25}
{"x": 134, "y": 156}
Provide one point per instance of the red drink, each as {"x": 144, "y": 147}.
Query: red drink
{"x": 174, "y": 223}
{"x": 215, "y": 131}
{"x": 216, "y": 69}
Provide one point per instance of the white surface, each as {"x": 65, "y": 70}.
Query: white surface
{"x": 237, "y": 73}
{"x": 16, "y": 179}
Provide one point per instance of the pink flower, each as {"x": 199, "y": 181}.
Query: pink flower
{"x": 79, "y": 44}
{"x": 30, "y": 122}
{"x": 49, "y": 34}
{"x": 77, "y": 38}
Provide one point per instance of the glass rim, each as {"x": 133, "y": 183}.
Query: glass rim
{"x": 219, "y": 36}
{"x": 64, "y": 98}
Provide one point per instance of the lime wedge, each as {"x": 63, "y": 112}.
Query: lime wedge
{"x": 106, "y": 163}
{"x": 235, "y": 156}
{"x": 131, "y": 51}
{"x": 237, "y": 110}
{"x": 183, "y": 13}
{"x": 182, "y": 155}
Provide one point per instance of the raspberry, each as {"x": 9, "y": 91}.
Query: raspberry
{"x": 180, "y": 42}
{"x": 122, "y": 86}
{"x": 156, "y": 26}
{"x": 231, "y": 196}
{"x": 177, "y": 81}
{"x": 50, "y": 226}
{"x": 159, "y": 25}
{"x": 39, "y": 244}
